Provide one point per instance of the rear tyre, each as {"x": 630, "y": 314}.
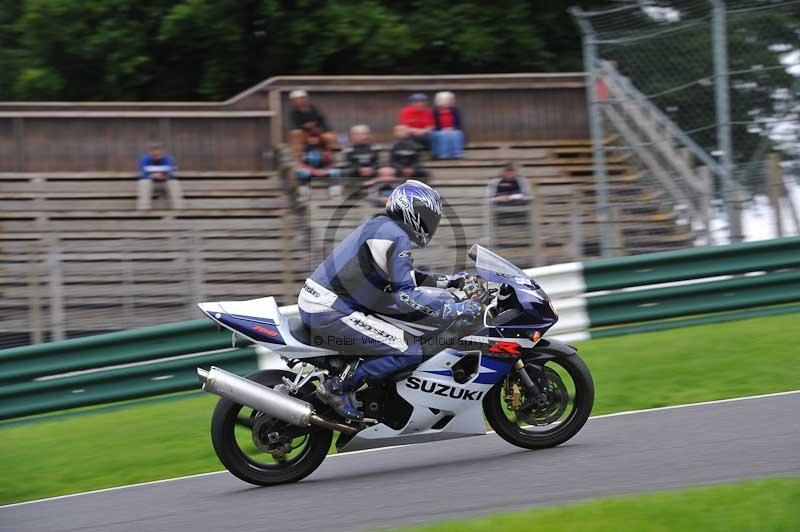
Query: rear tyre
{"x": 249, "y": 461}
{"x": 566, "y": 411}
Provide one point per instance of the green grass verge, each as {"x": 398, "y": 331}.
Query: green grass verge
{"x": 759, "y": 506}
{"x": 97, "y": 448}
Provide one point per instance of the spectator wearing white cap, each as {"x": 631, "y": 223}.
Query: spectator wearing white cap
{"x": 304, "y": 119}
{"x": 447, "y": 140}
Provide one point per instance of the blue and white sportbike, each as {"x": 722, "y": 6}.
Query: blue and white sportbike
{"x": 270, "y": 427}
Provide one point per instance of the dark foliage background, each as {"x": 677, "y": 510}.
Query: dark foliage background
{"x": 212, "y": 49}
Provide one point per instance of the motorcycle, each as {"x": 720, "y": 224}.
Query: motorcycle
{"x": 535, "y": 393}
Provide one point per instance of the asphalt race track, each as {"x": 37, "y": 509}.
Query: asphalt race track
{"x": 644, "y": 451}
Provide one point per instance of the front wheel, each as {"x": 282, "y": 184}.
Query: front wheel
{"x": 552, "y": 417}
{"x": 262, "y": 450}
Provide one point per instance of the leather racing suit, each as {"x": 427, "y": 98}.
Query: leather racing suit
{"x": 360, "y": 299}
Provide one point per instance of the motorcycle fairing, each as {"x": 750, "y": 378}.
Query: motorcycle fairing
{"x": 435, "y": 396}
{"x": 261, "y": 321}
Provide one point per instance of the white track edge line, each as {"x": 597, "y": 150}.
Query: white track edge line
{"x": 199, "y": 475}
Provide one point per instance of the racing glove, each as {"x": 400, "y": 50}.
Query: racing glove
{"x": 466, "y": 310}
{"x": 455, "y": 280}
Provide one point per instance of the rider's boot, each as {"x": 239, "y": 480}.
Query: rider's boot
{"x": 340, "y": 396}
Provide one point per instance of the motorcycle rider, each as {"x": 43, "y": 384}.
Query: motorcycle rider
{"x": 364, "y": 294}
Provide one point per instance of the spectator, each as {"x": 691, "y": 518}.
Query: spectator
{"x": 381, "y": 188}
{"x": 404, "y": 157}
{"x": 317, "y": 161}
{"x": 510, "y": 188}
{"x": 304, "y": 118}
{"x": 157, "y": 177}
{"x": 363, "y": 158}
{"x": 418, "y": 118}
{"x": 447, "y": 141}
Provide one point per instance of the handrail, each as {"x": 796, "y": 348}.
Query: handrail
{"x": 662, "y": 119}
{"x": 137, "y": 114}
{"x": 277, "y": 81}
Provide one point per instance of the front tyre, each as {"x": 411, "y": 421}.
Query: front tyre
{"x": 265, "y": 451}
{"x": 549, "y": 419}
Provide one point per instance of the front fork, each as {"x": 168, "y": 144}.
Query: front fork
{"x": 533, "y": 391}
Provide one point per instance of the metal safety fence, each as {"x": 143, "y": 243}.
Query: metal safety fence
{"x": 703, "y": 97}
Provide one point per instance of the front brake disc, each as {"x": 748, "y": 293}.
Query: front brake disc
{"x": 554, "y": 407}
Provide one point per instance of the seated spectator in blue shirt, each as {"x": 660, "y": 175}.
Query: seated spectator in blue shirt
{"x": 316, "y": 160}
{"x": 447, "y": 139}
{"x": 157, "y": 177}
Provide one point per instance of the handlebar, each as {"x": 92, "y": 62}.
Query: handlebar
{"x": 477, "y": 289}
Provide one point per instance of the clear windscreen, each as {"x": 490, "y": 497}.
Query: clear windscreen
{"x": 490, "y": 261}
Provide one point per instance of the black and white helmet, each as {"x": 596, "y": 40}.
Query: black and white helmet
{"x": 417, "y": 208}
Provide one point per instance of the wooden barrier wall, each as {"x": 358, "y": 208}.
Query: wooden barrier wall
{"x": 238, "y": 134}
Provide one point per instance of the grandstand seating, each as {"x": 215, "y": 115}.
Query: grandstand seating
{"x": 242, "y": 236}
{"x": 560, "y": 174}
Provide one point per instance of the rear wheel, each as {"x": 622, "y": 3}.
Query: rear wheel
{"x": 263, "y": 450}
{"x": 547, "y": 420}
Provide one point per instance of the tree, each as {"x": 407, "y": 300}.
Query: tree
{"x": 212, "y": 49}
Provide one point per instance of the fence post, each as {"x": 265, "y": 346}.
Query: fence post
{"x": 128, "y": 288}
{"x": 276, "y": 121}
{"x": 590, "y": 60}
{"x": 731, "y": 193}
{"x": 576, "y": 228}
{"x": 536, "y": 222}
{"x": 491, "y": 233}
{"x": 56, "y": 290}
{"x": 704, "y": 173}
{"x": 198, "y": 270}
{"x": 531, "y": 233}
{"x": 617, "y": 245}
{"x": 34, "y": 299}
{"x": 775, "y": 191}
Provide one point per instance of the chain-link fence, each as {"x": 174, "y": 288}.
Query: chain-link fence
{"x": 696, "y": 90}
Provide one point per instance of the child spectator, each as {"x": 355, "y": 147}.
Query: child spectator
{"x": 509, "y": 188}
{"x": 418, "y": 118}
{"x": 317, "y": 161}
{"x": 447, "y": 141}
{"x": 381, "y": 188}
{"x": 404, "y": 157}
{"x": 157, "y": 177}
{"x": 305, "y": 118}
{"x": 362, "y": 157}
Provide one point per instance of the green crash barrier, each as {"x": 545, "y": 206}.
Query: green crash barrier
{"x": 705, "y": 319}
{"x": 696, "y": 298}
{"x": 104, "y": 386}
{"x": 162, "y": 359}
{"x": 124, "y": 347}
{"x": 696, "y": 263}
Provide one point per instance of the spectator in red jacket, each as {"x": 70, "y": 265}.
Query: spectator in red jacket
{"x": 418, "y": 118}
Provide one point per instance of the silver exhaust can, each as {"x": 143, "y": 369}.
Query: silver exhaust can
{"x": 256, "y": 396}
